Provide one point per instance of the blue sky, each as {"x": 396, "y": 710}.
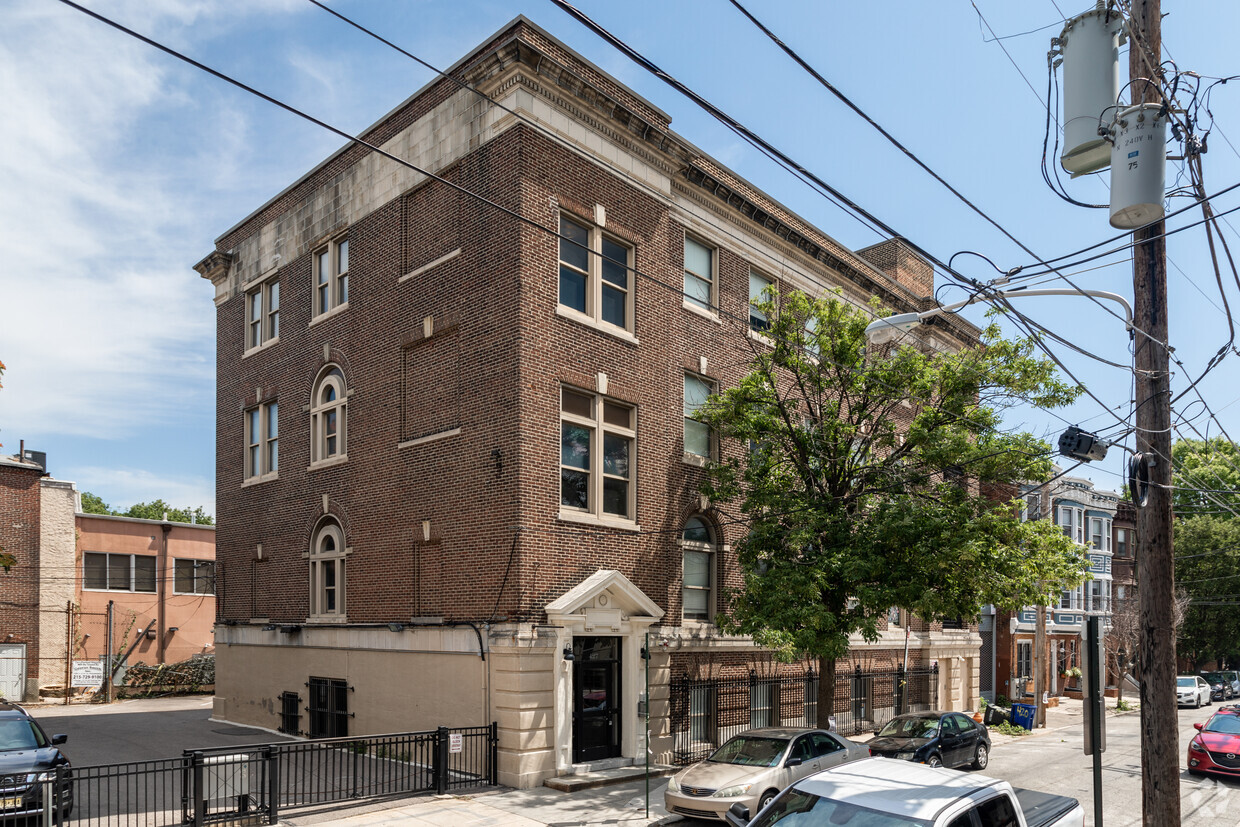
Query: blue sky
{"x": 120, "y": 166}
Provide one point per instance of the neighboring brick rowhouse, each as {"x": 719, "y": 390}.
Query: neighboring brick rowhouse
{"x": 19, "y": 588}
{"x": 454, "y": 349}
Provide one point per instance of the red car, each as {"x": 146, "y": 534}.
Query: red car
{"x": 1215, "y": 748}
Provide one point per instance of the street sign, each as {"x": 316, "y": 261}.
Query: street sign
{"x": 87, "y": 674}
{"x": 455, "y": 742}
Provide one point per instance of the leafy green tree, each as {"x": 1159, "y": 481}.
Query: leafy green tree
{"x": 1207, "y": 568}
{"x": 862, "y": 481}
{"x": 156, "y": 509}
{"x": 1206, "y": 475}
{"x": 94, "y": 504}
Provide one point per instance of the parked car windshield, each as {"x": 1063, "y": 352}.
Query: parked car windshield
{"x": 1213, "y": 677}
{"x": 1185, "y": 682}
{"x": 1228, "y": 724}
{"x": 911, "y": 728}
{"x": 797, "y": 808}
{"x": 19, "y": 734}
{"x": 750, "y": 751}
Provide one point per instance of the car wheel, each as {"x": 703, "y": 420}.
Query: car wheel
{"x": 934, "y": 761}
{"x": 981, "y": 758}
{"x": 1197, "y": 702}
{"x": 767, "y": 798}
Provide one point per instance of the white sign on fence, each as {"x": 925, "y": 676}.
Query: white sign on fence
{"x": 454, "y": 742}
{"x": 87, "y": 674}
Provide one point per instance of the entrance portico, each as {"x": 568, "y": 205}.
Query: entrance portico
{"x": 602, "y": 622}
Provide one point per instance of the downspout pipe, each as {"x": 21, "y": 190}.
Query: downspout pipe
{"x": 161, "y": 586}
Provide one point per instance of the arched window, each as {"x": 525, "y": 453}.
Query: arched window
{"x": 698, "y": 545}
{"x": 328, "y": 419}
{"x": 327, "y": 576}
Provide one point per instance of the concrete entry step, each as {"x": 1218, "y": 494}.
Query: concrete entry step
{"x": 606, "y": 777}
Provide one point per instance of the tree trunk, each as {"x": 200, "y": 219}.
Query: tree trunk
{"x": 826, "y": 691}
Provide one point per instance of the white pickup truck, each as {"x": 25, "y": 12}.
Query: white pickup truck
{"x": 882, "y": 792}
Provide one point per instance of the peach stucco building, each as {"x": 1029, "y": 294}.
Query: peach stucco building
{"x": 160, "y": 578}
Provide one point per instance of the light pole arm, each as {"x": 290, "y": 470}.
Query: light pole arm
{"x": 884, "y": 330}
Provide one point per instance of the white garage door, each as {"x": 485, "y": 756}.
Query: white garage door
{"x": 12, "y": 671}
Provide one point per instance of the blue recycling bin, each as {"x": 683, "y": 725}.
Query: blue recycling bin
{"x": 1023, "y": 715}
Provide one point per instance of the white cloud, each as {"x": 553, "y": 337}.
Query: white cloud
{"x": 106, "y": 328}
{"x": 127, "y": 486}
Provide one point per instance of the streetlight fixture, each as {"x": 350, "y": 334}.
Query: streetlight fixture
{"x": 881, "y": 331}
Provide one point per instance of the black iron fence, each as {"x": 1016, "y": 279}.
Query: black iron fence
{"x": 707, "y": 712}
{"x": 255, "y": 784}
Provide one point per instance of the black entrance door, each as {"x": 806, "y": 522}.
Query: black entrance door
{"x": 596, "y": 698}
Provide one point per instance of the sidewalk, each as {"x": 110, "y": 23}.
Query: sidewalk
{"x": 623, "y": 805}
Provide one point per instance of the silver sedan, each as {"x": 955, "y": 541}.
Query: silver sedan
{"x": 753, "y": 767}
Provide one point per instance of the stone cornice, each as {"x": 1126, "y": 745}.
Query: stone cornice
{"x": 215, "y": 266}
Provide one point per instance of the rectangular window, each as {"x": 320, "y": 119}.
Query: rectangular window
{"x": 701, "y": 714}
{"x": 761, "y": 704}
{"x": 1024, "y": 658}
{"x": 329, "y": 708}
{"x": 699, "y": 274}
{"x": 1121, "y": 542}
{"x": 758, "y": 287}
{"x": 262, "y": 314}
{"x": 1065, "y": 600}
{"x": 262, "y": 440}
{"x": 331, "y": 276}
{"x": 595, "y": 478}
{"x": 290, "y": 713}
{"x": 193, "y": 576}
{"x": 595, "y": 274}
{"x": 697, "y": 434}
{"x": 1033, "y": 507}
{"x": 118, "y": 572}
{"x": 1097, "y": 534}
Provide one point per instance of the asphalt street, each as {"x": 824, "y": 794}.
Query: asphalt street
{"x": 141, "y": 730}
{"x": 1054, "y": 762}
{"x": 1051, "y": 761}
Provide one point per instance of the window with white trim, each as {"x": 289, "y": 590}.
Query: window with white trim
{"x": 1121, "y": 542}
{"x": 758, "y": 287}
{"x": 598, "y": 440}
{"x": 1100, "y": 533}
{"x": 262, "y": 305}
{"x": 698, "y": 441}
{"x": 1072, "y": 521}
{"x": 698, "y": 547}
{"x": 331, "y": 276}
{"x": 595, "y": 277}
{"x": 118, "y": 572}
{"x": 328, "y": 417}
{"x": 699, "y": 274}
{"x": 193, "y": 576}
{"x": 262, "y": 439}
{"x": 327, "y": 574}
{"x": 1024, "y": 658}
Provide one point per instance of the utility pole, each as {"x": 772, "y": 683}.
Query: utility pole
{"x": 1160, "y": 750}
{"x": 1039, "y": 667}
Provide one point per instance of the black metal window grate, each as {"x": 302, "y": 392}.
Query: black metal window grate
{"x": 329, "y": 708}
{"x": 290, "y": 713}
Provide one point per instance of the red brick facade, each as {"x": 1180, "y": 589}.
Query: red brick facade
{"x": 455, "y": 349}
{"x": 19, "y": 536}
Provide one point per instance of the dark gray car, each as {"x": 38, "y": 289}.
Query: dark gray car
{"x": 27, "y": 759}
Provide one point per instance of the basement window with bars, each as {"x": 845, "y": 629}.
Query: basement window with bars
{"x": 329, "y": 708}
{"x": 290, "y": 713}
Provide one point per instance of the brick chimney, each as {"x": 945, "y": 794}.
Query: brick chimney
{"x": 896, "y": 260}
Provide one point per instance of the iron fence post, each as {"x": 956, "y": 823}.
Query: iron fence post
{"x": 273, "y": 784}
{"x": 441, "y": 760}
{"x": 355, "y": 748}
{"x": 493, "y": 774}
{"x": 200, "y": 793}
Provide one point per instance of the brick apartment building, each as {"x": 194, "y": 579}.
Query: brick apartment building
{"x": 457, "y": 465}
{"x": 1105, "y": 525}
{"x": 158, "y": 576}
